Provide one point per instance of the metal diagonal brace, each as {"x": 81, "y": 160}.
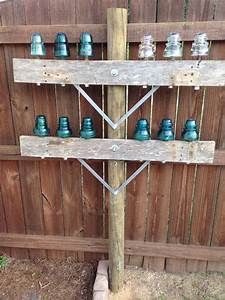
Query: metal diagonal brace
{"x": 126, "y": 115}
{"x": 103, "y": 182}
{"x": 129, "y": 179}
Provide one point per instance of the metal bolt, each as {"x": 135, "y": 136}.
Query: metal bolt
{"x": 115, "y": 192}
{"x": 115, "y": 148}
{"x": 114, "y": 72}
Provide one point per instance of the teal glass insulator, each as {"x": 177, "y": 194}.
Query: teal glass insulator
{"x": 86, "y": 45}
{"x": 37, "y": 45}
{"x": 64, "y": 130}
{"x": 41, "y": 126}
{"x": 166, "y": 132}
{"x": 87, "y": 129}
{"x": 61, "y": 47}
{"x": 141, "y": 132}
{"x": 190, "y": 131}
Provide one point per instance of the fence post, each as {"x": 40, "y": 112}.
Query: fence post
{"x": 116, "y": 50}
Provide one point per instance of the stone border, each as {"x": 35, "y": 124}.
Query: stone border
{"x": 101, "y": 284}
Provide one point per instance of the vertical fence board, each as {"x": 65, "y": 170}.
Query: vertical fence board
{"x": 218, "y": 233}
{"x": 183, "y": 183}
{"x": 164, "y": 106}
{"x": 7, "y": 136}
{"x": 67, "y": 104}
{"x": 137, "y": 190}
{"x": 3, "y": 226}
{"x": 200, "y": 10}
{"x": 13, "y": 207}
{"x": 142, "y": 11}
{"x": 13, "y": 13}
{"x": 204, "y": 196}
{"x": 205, "y": 190}
{"x": 170, "y": 11}
{"x": 92, "y": 190}
{"x": 44, "y": 103}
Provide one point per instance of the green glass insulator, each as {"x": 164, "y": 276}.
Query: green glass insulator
{"x": 142, "y": 130}
{"x": 86, "y": 45}
{"x": 64, "y": 130}
{"x": 190, "y": 131}
{"x": 166, "y": 132}
{"x": 37, "y": 45}
{"x": 87, "y": 129}
{"x": 61, "y": 47}
{"x": 41, "y": 126}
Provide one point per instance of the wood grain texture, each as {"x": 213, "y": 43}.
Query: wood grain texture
{"x": 201, "y": 10}
{"x": 10, "y": 183}
{"x": 21, "y": 34}
{"x": 217, "y": 238}
{"x": 12, "y": 201}
{"x": 182, "y": 201}
{"x": 168, "y": 12}
{"x": 137, "y": 191}
{"x": 3, "y": 226}
{"x": 116, "y": 149}
{"x": 45, "y": 103}
{"x": 91, "y": 190}
{"x": 117, "y": 50}
{"x": 67, "y": 105}
{"x": 205, "y": 191}
{"x": 218, "y": 228}
{"x": 141, "y": 11}
{"x": 190, "y": 106}
{"x": 13, "y": 13}
{"x": 160, "y": 177}
{"x": 98, "y": 245}
{"x": 159, "y": 73}
{"x": 12, "y": 152}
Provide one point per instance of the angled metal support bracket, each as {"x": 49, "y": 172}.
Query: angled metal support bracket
{"x": 114, "y": 191}
{"x": 126, "y": 115}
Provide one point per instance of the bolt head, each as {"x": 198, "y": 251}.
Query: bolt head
{"x": 114, "y": 72}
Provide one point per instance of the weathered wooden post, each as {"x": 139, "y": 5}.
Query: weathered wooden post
{"x": 116, "y": 50}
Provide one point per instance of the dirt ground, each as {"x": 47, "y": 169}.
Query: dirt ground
{"x": 145, "y": 285}
{"x": 41, "y": 279}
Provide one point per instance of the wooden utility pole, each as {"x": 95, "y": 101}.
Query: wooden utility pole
{"x": 116, "y": 50}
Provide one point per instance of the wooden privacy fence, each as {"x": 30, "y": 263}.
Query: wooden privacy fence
{"x": 174, "y": 212}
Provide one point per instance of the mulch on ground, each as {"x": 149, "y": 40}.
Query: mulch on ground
{"x": 43, "y": 279}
